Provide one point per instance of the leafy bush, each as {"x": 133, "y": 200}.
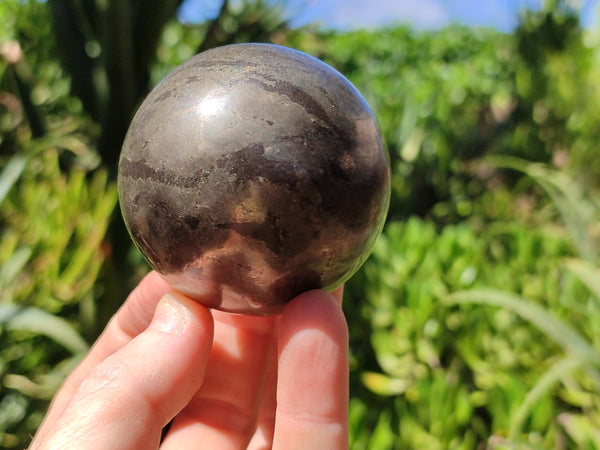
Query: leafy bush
{"x": 463, "y": 374}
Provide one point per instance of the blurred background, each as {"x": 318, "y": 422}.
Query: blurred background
{"x": 475, "y": 324}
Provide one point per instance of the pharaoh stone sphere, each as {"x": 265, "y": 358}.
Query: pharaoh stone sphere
{"x": 252, "y": 173}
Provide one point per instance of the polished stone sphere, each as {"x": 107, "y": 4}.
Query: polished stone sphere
{"x": 253, "y": 173}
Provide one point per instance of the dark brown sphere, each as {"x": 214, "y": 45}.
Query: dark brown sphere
{"x": 252, "y": 173}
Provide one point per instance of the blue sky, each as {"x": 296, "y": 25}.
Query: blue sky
{"x": 422, "y": 14}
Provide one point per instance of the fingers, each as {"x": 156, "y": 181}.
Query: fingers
{"x": 137, "y": 377}
{"x": 222, "y": 415}
{"x": 126, "y": 399}
{"x": 312, "y": 389}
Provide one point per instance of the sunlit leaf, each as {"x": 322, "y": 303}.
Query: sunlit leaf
{"x": 384, "y": 385}
{"x": 24, "y": 385}
{"x": 577, "y": 211}
{"x": 552, "y": 326}
{"x": 11, "y": 173}
{"x": 588, "y": 274}
{"x": 550, "y": 379}
{"x": 38, "y": 321}
{"x": 582, "y": 429}
{"x": 11, "y": 268}
{"x": 383, "y": 434}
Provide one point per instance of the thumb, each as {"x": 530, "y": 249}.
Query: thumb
{"x": 128, "y": 398}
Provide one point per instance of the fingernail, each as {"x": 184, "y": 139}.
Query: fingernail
{"x": 170, "y": 315}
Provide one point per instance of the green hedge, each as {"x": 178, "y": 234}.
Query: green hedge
{"x": 481, "y": 337}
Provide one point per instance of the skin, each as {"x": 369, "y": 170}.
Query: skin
{"x": 225, "y": 381}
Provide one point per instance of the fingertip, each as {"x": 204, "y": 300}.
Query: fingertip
{"x": 175, "y": 313}
{"x": 315, "y": 309}
{"x": 314, "y": 295}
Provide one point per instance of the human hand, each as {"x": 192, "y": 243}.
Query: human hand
{"x": 225, "y": 381}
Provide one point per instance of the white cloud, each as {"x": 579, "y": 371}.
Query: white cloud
{"x": 361, "y": 13}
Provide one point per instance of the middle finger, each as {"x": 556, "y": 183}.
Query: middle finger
{"x": 223, "y": 413}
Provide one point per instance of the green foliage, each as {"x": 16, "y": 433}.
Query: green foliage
{"x": 578, "y": 209}
{"x": 107, "y": 48}
{"x": 473, "y": 325}
{"x": 519, "y": 370}
{"x": 51, "y": 252}
{"x": 464, "y": 374}
{"x": 55, "y": 206}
